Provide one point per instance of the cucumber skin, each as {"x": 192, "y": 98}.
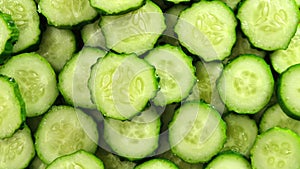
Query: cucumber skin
{"x": 281, "y": 101}
{"x": 14, "y": 35}
{"x": 104, "y": 12}
{"x": 19, "y": 97}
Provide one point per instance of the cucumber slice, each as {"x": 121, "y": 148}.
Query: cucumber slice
{"x": 207, "y": 29}
{"x": 92, "y": 35}
{"x": 25, "y": 16}
{"x": 37, "y": 163}
{"x": 57, "y": 46}
{"x": 9, "y": 35}
{"x": 157, "y": 163}
{"x": 73, "y": 79}
{"x": 288, "y": 91}
{"x": 283, "y": 59}
{"x": 112, "y": 161}
{"x": 175, "y": 71}
{"x": 241, "y": 133}
{"x": 116, "y": 7}
{"x": 134, "y": 32}
{"x": 140, "y": 135}
{"x": 233, "y": 4}
{"x": 122, "y": 85}
{"x": 66, "y": 13}
{"x": 197, "y": 132}
{"x": 65, "y": 130}
{"x": 36, "y": 79}
{"x": 269, "y": 25}
{"x": 246, "y": 84}
{"x": 205, "y": 89}
{"x": 276, "y": 148}
{"x": 12, "y": 107}
{"x": 79, "y": 159}
{"x": 17, "y": 151}
{"x": 229, "y": 161}
{"x": 275, "y": 117}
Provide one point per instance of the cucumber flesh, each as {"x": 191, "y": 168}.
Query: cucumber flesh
{"x": 229, "y": 161}
{"x": 276, "y": 148}
{"x": 269, "y": 25}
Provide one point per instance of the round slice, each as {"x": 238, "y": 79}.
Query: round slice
{"x": 207, "y": 29}
{"x": 175, "y": 71}
{"x": 241, "y": 133}
{"x": 229, "y": 161}
{"x": 269, "y": 25}
{"x": 12, "y": 107}
{"x": 283, "y": 59}
{"x": 36, "y": 79}
{"x": 157, "y": 163}
{"x": 276, "y": 148}
{"x": 275, "y": 117}
{"x": 288, "y": 91}
{"x": 25, "y": 16}
{"x": 78, "y": 160}
{"x": 18, "y": 150}
{"x": 196, "y": 132}
{"x": 67, "y": 13}
{"x": 134, "y": 139}
{"x": 122, "y": 85}
{"x": 115, "y": 7}
{"x": 9, "y": 35}
{"x": 57, "y": 46}
{"x": 73, "y": 79}
{"x": 246, "y": 84}
{"x": 65, "y": 130}
{"x": 134, "y": 32}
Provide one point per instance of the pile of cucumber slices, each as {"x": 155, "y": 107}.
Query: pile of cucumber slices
{"x": 150, "y": 84}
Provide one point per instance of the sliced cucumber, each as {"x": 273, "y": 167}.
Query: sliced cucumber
{"x": 276, "y": 148}
{"x": 36, "y": 79}
{"x": 17, "y": 151}
{"x": 229, "y": 161}
{"x": 66, "y": 13}
{"x": 269, "y": 25}
{"x": 134, "y": 32}
{"x": 157, "y": 163}
{"x": 207, "y": 29}
{"x": 12, "y": 107}
{"x": 175, "y": 71}
{"x": 246, "y": 84}
{"x": 73, "y": 79}
{"x": 283, "y": 59}
{"x": 92, "y": 35}
{"x": 9, "y": 35}
{"x": 25, "y": 16}
{"x": 65, "y": 130}
{"x": 241, "y": 133}
{"x": 122, "y": 85}
{"x": 78, "y": 160}
{"x": 116, "y": 7}
{"x": 57, "y": 46}
{"x": 37, "y": 163}
{"x": 275, "y": 117}
{"x": 288, "y": 91}
{"x": 197, "y": 132}
{"x": 205, "y": 89}
{"x": 112, "y": 161}
{"x": 140, "y": 135}
{"x": 233, "y": 4}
